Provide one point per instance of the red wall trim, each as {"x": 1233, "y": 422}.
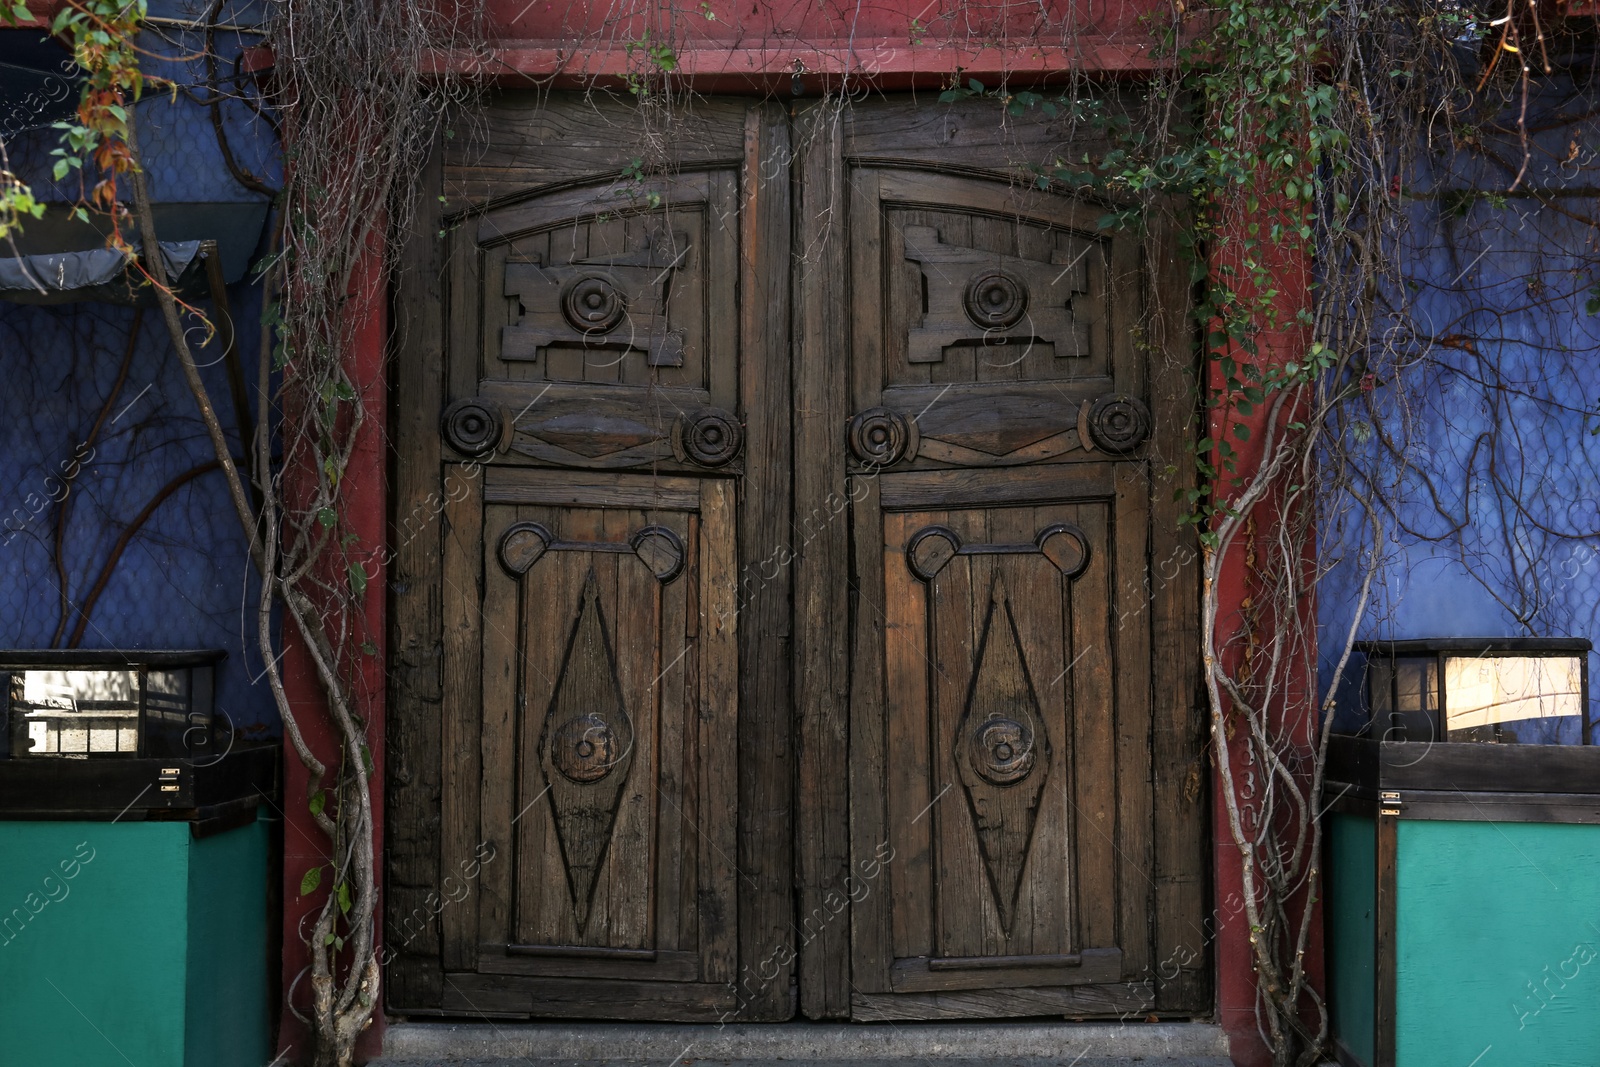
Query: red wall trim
{"x": 536, "y": 47}
{"x": 366, "y": 492}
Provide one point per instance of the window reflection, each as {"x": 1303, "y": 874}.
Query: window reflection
{"x": 1535, "y": 700}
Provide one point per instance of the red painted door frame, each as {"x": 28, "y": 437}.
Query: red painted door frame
{"x": 894, "y": 46}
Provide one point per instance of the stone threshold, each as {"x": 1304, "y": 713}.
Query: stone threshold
{"x": 1015, "y": 1044}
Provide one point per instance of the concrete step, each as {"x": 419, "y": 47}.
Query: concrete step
{"x": 803, "y": 1044}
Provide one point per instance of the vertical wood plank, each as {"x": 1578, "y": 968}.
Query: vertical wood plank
{"x": 878, "y": 869}
{"x": 914, "y": 785}
{"x": 958, "y": 597}
{"x": 1387, "y": 907}
{"x": 1132, "y": 643}
{"x": 463, "y": 359}
{"x": 1178, "y": 769}
{"x": 672, "y": 849}
{"x": 765, "y": 765}
{"x": 721, "y": 885}
{"x": 551, "y": 596}
{"x": 721, "y": 371}
{"x": 821, "y": 567}
{"x": 1094, "y": 744}
{"x": 461, "y": 710}
{"x": 1034, "y": 588}
{"x": 874, "y": 339}
{"x": 690, "y": 689}
{"x": 501, "y": 715}
{"x": 630, "y": 860}
{"x": 412, "y": 761}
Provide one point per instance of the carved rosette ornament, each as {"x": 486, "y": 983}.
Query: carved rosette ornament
{"x": 1116, "y": 423}
{"x": 996, "y": 300}
{"x": 881, "y": 437}
{"x": 1002, "y": 750}
{"x": 593, "y": 303}
{"x": 710, "y": 437}
{"x": 584, "y": 749}
{"x": 472, "y": 427}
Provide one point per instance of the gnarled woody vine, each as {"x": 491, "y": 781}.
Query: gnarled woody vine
{"x": 356, "y": 118}
{"x": 1292, "y": 127}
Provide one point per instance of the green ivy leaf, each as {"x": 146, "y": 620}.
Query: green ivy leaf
{"x": 358, "y": 579}
{"x": 309, "y": 883}
{"x": 327, "y": 517}
{"x": 1241, "y": 431}
{"x": 319, "y": 802}
{"x": 343, "y": 893}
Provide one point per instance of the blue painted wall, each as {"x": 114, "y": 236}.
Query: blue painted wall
{"x": 183, "y": 580}
{"x": 1495, "y": 474}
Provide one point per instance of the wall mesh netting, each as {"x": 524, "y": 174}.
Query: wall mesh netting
{"x": 182, "y": 579}
{"x": 1480, "y": 430}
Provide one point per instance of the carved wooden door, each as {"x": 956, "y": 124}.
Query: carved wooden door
{"x": 1021, "y": 719}
{"x": 610, "y": 457}
{"x": 794, "y": 529}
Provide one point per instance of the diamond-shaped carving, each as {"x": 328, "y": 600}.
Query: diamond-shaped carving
{"x": 1002, "y": 754}
{"x": 586, "y": 748}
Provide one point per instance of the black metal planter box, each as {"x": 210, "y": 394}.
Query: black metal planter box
{"x": 137, "y": 922}
{"x": 1463, "y": 903}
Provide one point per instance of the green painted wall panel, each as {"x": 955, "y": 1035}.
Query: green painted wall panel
{"x": 1498, "y": 945}
{"x": 132, "y": 943}
{"x": 92, "y": 949}
{"x": 1351, "y": 899}
{"x": 228, "y": 1016}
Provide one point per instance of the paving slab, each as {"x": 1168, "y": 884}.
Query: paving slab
{"x": 998, "y": 1044}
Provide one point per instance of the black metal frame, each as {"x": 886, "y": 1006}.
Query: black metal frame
{"x": 82, "y": 659}
{"x": 1439, "y": 648}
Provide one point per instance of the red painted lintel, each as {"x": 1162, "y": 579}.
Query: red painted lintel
{"x": 881, "y": 64}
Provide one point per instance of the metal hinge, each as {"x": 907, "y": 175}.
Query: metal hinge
{"x": 1389, "y": 802}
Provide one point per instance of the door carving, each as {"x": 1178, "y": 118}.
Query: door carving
{"x": 798, "y": 517}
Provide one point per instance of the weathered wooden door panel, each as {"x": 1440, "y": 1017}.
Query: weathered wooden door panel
{"x": 1014, "y": 405}
{"x": 950, "y": 423}
{"x": 611, "y": 714}
{"x": 1000, "y": 331}
{"x": 1014, "y": 783}
{"x": 600, "y": 327}
{"x": 608, "y": 729}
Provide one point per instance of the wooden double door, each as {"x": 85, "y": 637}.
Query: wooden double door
{"x": 790, "y": 610}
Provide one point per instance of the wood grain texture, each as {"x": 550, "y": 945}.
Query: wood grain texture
{"x": 962, "y": 134}
{"x": 461, "y": 712}
{"x": 1180, "y": 947}
{"x": 522, "y": 996}
{"x": 818, "y": 738}
{"x": 717, "y": 829}
{"x": 1120, "y": 999}
{"x": 413, "y": 756}
{"x": 821, "y": 566}
{"x": 884, "y": 863}
{"x": 528, "y": 141}
{"x": 1091, "y": 967}
{"x": 1061, "y": 859}
{"x": 766, "y": 792}
{"x": 1387, "y": 907}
